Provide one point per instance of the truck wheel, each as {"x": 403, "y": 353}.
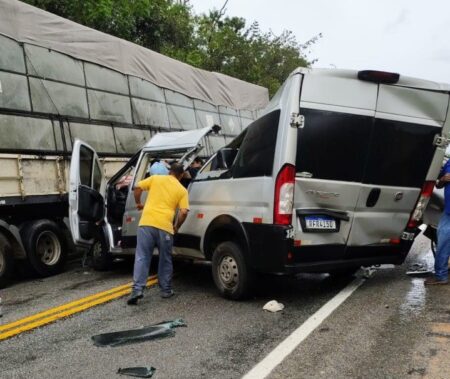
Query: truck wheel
{"x": 231, "y": 274}
{"x": 6, "y": 261}
{"x": 101, "y": 258}
{"x": 45, "y": 246}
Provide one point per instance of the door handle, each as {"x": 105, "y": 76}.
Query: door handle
{"x": 373, "y": 197}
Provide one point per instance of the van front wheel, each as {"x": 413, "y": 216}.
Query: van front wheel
{"x": 231, "y": 274}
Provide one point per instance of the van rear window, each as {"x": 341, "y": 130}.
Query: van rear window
{"x": 400, "y": 153}
{"x": 347, "y": 147}
{"x": 333, "y": 145}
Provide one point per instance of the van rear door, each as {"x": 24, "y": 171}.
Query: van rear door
{"x": 330, "y": 163}
{"x": 399, "y": 157}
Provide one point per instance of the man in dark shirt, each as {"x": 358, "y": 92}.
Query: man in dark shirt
{"x": 443, "y": 232}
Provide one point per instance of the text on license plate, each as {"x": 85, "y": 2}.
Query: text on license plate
{"x": 320, "y": 223}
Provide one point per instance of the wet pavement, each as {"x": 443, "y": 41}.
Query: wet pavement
{"x": 391, "y": 327}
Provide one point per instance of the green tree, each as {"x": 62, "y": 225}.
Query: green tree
{"x": 155, "y": 24}
{"x": 210, "y": 41}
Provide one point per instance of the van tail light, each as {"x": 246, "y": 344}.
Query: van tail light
{"x": 284, "y": 195}
{"x": 378, "y": 76}
{"x": 421, "y": 204}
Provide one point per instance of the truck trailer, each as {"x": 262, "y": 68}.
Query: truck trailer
{"x": 60, "y": 81}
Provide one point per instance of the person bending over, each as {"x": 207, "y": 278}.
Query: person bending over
{"x": 156, "y": 228}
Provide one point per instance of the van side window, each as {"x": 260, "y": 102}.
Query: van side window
{"x": 256, "y": 153}
{"x": 333, "y": 145}
{"x": 86, "y": 163}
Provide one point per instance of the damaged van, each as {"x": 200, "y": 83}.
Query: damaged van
{"x": 334, "y": 175}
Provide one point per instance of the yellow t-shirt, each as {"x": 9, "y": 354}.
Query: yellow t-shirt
{"x": 166, "y": 194}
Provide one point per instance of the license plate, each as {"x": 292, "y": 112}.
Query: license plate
{"x": 320, "y": 223}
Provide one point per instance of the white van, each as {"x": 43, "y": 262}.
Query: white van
{"x": 334, "y": 175}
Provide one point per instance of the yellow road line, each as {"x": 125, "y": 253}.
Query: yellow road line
{"x": 68, "y": 305}
{"x": 66, "y": 310}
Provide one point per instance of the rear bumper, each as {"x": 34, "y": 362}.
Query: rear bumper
{"x": 272, "y": 251}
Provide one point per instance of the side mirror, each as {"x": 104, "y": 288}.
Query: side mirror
{"x": 225, "y": 158}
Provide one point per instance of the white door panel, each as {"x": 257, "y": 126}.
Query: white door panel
{"x": 85, "y": 170}
{"x": 387, "y": 219}
{"x": 324, "y": 195}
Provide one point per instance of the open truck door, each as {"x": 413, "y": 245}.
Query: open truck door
{"x": 86, "y": 203}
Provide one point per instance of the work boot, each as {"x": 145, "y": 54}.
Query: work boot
{"x": 434, "y": 282}
{"x": 134, "y": 297}
{"x": 167, "y": 294}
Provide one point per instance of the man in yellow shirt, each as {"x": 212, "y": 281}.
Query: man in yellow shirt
{"x": 157, "y": 227}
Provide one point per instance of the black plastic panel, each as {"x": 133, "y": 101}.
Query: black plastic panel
{"x": 400, "y": 153}
{"x": 333, "y": 145}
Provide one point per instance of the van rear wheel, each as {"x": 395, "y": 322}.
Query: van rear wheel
{"x": 6, "y": 261}
{"x": 231, "y": 274}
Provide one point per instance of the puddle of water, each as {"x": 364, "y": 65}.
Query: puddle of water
{"x": 414, "y": 301}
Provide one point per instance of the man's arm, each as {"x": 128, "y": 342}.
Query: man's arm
{"x": 137, "y": 197}
{"x": 181, "y": 217}
{"x": 442, "y": 181}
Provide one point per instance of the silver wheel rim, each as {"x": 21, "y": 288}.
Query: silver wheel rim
{"x": 48, "y": 248}
{"x": 2, "y": 262}
{"x": 228, "y": 271}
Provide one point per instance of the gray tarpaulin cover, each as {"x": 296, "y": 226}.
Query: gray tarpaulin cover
{"x": 26, "y": 23}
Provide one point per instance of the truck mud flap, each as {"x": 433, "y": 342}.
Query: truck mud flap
{"x": 161, "y": 330}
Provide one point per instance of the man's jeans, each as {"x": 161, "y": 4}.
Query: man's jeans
{"x": 148, "y": 238}
{"x": 443, "y": 248}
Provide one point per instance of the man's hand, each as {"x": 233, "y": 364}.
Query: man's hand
{"x": 137, "y": 198}
{"x": 182, "y": 214}
{"x": 443, "y": 181}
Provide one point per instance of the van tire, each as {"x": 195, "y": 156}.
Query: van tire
{"x": 231, "y": 274}
{"x": 6, "y": 261}
{"x": 45, "y": 246}
{"x": 101, "y": 258}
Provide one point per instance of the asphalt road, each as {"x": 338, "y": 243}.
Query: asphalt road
{"x": 380, "y": 331}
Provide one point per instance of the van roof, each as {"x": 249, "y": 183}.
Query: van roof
{"x": 405, "y": 81}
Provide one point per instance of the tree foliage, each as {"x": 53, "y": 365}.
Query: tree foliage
{"x": 210, "y": 41}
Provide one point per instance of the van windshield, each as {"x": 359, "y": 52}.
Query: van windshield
{"x": 348, "y": 147}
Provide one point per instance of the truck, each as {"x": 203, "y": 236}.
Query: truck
{"x": 60, "y": 81}
{"x": 335, "y": 174}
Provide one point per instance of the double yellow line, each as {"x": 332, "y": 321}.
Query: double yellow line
{"x": 65, "y": 310}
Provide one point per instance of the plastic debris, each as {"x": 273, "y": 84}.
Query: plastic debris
{"x": 417, "y": 269}
{"x": 273, "y": 306}
{"x": 138, "y": 372}
{"x": 161, "y": 330}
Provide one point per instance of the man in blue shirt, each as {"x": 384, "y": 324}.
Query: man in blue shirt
{"x": 443, "y": 232}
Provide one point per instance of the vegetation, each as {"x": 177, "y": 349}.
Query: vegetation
{"x": 210, "y": 41}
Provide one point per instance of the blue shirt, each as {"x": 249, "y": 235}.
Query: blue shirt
{"x": 446, "y": 170}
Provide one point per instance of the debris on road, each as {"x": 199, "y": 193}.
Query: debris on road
{"x": 138, "y": 372}
{"x": 161, "y": 330}
{"x": 418, "y": 269}
{"x": 273, "y": 306}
